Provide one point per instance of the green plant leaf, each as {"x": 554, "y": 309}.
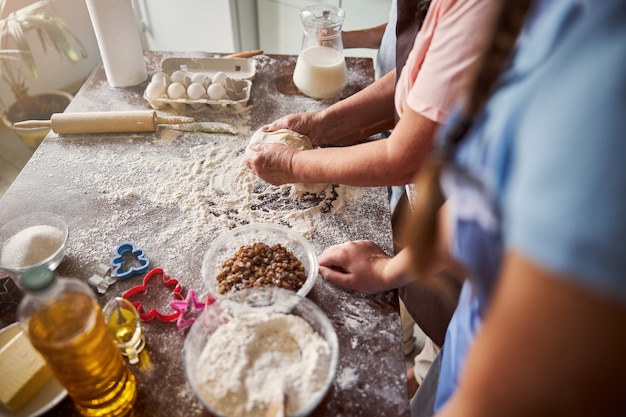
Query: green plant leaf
{"x": 16, "y": 57}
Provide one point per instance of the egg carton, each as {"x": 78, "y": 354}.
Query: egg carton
{"x": 239, "y": 74}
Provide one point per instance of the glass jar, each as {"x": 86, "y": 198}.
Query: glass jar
{"x": 321, "y": 68}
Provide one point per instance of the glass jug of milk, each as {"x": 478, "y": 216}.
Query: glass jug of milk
{"x": 321, "y": 68}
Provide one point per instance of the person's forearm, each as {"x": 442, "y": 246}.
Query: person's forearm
{"x": 363, "y": 165}
{"x": 547, "y": 348}
{"x": 344, "y": 122}
{"x": 363, "y": 38}
{"x": 398, "y": 269}
{"x": 391, "y": 161}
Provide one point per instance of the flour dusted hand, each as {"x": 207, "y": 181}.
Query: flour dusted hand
{"x": 307, "y": 123}
{"x": 269, "y": 155}
{"x": 358, "y": 265}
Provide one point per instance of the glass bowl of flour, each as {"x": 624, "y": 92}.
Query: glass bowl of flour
{"x": 33, "y": 240}
{"x": 259, "y": 348}
{"x": 227, "y": 245}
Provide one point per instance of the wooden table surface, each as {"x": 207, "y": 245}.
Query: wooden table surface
{"x": 172, "y": 193}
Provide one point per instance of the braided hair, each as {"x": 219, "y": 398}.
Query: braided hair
{"x": 421, "y": 235}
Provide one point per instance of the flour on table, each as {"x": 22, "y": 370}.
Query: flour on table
{"x": 31, "y": 245}
{"x": 211, "y": 186}
{"x": 250, "y": 359}
{"x": 196, "y": 191}
{"x": 295, "y": 140}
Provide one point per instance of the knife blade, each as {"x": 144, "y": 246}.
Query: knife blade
{"x": 206, "y": 127}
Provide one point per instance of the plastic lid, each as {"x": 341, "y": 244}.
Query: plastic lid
{"x": 37, "y": 279}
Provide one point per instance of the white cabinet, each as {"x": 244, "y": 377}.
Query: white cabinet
{"x": 363, "y": 14}
{"x": 225, "y": 26}
{"x": 280, "y": 28}
{"x": 222, "y": 26}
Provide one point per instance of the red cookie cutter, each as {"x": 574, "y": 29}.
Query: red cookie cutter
{"x": 154, "y": 313}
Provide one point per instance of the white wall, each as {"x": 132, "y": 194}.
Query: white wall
{"x": 57, "y": 72}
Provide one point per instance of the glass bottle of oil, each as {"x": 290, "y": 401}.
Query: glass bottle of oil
{"x": 65, "y": 323}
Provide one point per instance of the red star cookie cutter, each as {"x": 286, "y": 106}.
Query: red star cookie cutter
{"x": 155, "y": 313}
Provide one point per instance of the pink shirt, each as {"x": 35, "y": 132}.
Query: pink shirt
{"x": 449, "y": 42}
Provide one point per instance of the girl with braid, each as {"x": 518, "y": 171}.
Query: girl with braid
{"x": 525, "y": 194}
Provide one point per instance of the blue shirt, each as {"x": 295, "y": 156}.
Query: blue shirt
{"x": 543, "y": 169}
{"x": 386, "y": 56}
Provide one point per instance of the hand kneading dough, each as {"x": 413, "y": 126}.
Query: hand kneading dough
{"x": 295, "y": 140}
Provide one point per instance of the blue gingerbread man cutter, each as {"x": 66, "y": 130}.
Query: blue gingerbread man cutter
{"x": 140, "y": 261}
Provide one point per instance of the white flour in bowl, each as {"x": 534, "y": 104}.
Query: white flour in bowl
{"x": 252, "y": 359}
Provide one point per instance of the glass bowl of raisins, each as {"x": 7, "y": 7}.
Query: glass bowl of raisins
{"x": 260, "y": 255}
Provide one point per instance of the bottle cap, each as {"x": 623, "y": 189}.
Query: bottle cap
{"x": 37, "y": 279}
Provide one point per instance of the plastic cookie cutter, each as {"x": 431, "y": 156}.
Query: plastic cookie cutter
{"x": 139, "y": 262}
{"x": 102, "y": 279}
{"x": 190, "y": 309}
{"x": 154, "y": 313}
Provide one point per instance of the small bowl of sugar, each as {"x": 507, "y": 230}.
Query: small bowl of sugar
{"x": 259, "y": 350}
{"x": 33, "y": 240}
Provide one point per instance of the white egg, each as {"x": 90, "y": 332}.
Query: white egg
{"x": 155, "y": 89}
{"x": 216, "y": 91}
{"x": 196, "y": 91}
{"x": 160, "y": 77}
{"x": 219, "y": 77}
{"x": 176, "y": 90}
{"x": 201, "y": 78}
{"x": 180, "y": 77}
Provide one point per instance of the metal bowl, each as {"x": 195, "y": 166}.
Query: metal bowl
{"x": 241, "y": 377}
{"x": 225, "y": 246}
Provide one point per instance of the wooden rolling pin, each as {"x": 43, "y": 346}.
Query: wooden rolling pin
{"x": 104, "y": 122}
{"x": 245, "y": 54}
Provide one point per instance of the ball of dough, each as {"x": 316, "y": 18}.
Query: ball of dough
{"x": 295, "y": 140}
{"x": 216, "y": 91}
{"x": 176, "y": 90}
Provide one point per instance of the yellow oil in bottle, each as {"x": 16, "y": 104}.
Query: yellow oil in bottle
{"x": 73, "y": 337}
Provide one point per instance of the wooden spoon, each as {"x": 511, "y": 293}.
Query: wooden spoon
{"x": 276, "y": 407}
